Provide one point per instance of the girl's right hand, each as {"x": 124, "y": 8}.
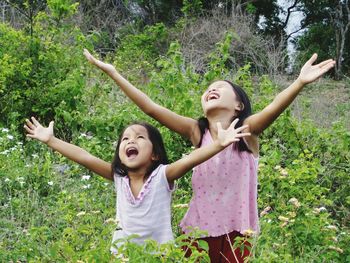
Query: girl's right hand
{"x": 36, "y": 131}
{"x": 108, "y": 68}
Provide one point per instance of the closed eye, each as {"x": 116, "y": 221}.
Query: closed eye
{"x": 141, "y": 136}
{"x": 124, "y": 138}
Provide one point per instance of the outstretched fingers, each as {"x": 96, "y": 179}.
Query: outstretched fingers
{"x": 312, "y": 59}
{"x": 35, "y": 122}
{"x": 30, "y": 124}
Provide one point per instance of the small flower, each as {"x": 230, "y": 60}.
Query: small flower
{"x": 284, "y": 224}
{"x": 10, "y": 137}
{"x": 95, "y": 212}
{"x": 292, "y": 215}
{"x": 106, "y": 184}
{"x": 34, "y": 155}
{"x": 335, "y": 239}
{"x": 277, "y": 167}
{"x": 283, "y": 218}
{"x": 336, "y": 249}
{"x": 86, "y": 186}
{"x": 5, "y": 130}
{"x": 294, "y": 202}
{"x": 81, "y": 213}
{"x": 50, "y": 183}
{"x": 181, "y": 206}
{"x": 265, "y": 211}
{"x": 249, "y": 232}
{"x": 20, "y": 143}
{"x": 331, "y": 227}
{"x": 284, "y": 172}
{"x": 7, "y": 180}
{"x": 316, "y": 211}
{"x": 85, "y": 177}
{"x": 5, "y": 152}
{"x": 111, "y": 221}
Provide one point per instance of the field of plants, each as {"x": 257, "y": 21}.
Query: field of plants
{"x": 52, "y": 210}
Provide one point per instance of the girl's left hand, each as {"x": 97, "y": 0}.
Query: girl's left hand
{"x": 108, "y": 68}
{"x": 226, "y": 137}
{"x": 310, "y": 73}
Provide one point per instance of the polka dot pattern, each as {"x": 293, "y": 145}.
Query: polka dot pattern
{"x": 224, "y": 193}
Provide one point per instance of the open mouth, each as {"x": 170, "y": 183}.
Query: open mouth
{"x": 132, "y": 152}
{"x": 212, "y": 96}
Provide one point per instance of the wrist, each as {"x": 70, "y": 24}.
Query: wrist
{"x": 300, "y": 83}
{"x": 50, "y": 141}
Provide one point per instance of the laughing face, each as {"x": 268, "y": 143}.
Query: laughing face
{"x": 136, "y": 149}
{"x": 220, "y": 96}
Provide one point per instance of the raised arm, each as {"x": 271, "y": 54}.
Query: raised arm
{"x": 36, "y": 131}
{"x": 309, "y": 73}
{"x": 185, "y": 126}
{"x": 199, "y": 155}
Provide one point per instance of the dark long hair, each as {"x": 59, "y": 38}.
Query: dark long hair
{"x": 158, "y": 150}
{"x": 243, "y": 114}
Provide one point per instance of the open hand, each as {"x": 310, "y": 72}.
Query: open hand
{"x": 226, "y": 137}
{"x": 310, "y": 73}
{"x": 98, "y": 63}
{"x": 36, "y": 131}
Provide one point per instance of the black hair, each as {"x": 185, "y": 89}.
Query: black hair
{"x": 242, "y": 115}
{"x": 158, "y": 150}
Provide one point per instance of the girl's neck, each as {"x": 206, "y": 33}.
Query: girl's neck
{"x": 136, "y": 176}
{"x": 225, "y": 121}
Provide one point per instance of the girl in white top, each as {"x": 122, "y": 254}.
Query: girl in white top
{"x": 142, "y": 177}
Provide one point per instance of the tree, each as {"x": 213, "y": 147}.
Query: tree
{"x": 334, "y": 17}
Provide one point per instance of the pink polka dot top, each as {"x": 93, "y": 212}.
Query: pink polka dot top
{"x": 224, "y": 193}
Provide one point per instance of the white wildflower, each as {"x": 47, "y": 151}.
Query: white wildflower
{"x": 331, "y": 227}
{"x": 294, "y": 202}
{"x": 86, "y": 186}
{"x": 34, "y": 155}
{"x": 81, "y": 213}
{"x": 5, "y": 130}
{"x": 249, "y": 232}
{"x": 284, "y": 172}
{"x": 336, "y": 249}
{"x": 95, "y": 212}
{"x": 50, "y": 183}
{"x": 10, "y": 137}
{"x": 85, "y": 177}
{"x": 7, "y": 180}
{"x": 283, "y": 218}
{"x": 277, "y": 167}
{"x": 265, "y": 211}
{"x": 111, "y": 221}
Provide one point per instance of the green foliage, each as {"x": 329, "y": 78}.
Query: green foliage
{"x": 53, "y": 211}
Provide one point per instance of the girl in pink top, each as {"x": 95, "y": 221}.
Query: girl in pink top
{"x": 224, "y": 201}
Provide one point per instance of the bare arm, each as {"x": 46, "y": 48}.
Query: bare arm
{"x": 199, "y": 155}
{"x": 185, "y": 126}
{"x": 36, "y": 131}
{"x": 309, "y": 73}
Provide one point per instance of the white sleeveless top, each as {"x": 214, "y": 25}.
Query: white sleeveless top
{"x": 149, "y": 214}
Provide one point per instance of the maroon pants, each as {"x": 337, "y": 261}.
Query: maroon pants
{"x": 221, "y": 249}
